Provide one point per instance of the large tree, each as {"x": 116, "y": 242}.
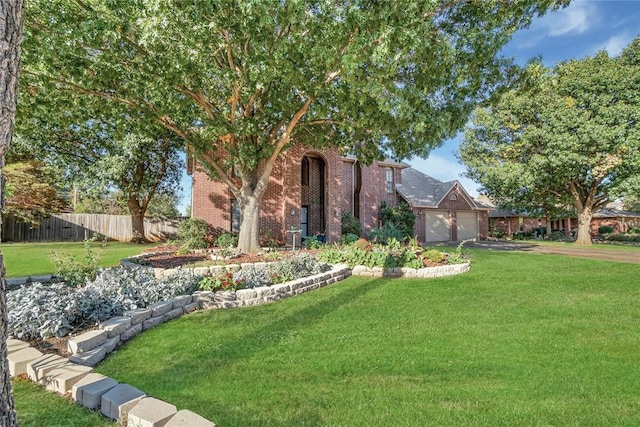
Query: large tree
{"x": 105, "y": 153}
{"x": 10, "y": 37}
{"x": 241, "y": 81}
{"x": 568, "y": 136}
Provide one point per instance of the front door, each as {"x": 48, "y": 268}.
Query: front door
{"x": 304, "y": 221}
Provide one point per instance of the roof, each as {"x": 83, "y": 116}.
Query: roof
{"x": 614, "y": 213}
{"x": 423, "y": 191}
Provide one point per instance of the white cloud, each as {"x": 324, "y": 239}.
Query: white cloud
{"x": 615, "y": 44}
{"x": 575, "y": 19}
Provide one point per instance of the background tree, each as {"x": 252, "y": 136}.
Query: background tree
{"x": 11, "y": 33}
{"x": 241, "y": 81}
{"x": 103, "y": 154}
{"x": 571, "y": 134}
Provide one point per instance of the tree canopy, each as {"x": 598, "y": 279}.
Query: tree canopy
{"x": 241, "y": 81}
{"x": 569, "y": 136}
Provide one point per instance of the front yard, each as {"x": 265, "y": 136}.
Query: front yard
{"x": 522, "y": 339}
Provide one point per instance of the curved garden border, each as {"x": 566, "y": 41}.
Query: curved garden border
{"x": 93, "y": 390}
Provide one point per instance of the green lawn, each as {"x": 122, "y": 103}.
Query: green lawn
{"x": 522, "y": 339}
{"x": 37, "y": 407}
{"x": 27, "y": 259}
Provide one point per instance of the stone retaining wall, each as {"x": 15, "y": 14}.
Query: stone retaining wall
{"x": 121, "y": 401}
{"x": 429, "y": 272}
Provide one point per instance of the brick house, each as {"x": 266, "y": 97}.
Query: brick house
{"x": 511, "y": 222}
{"x": 310, "y": 189}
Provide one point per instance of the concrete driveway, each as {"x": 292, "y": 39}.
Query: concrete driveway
{"x": 569, "y": 249}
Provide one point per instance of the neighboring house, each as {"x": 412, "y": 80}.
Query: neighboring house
{"x": 511, "y": 222}
{"x": 310, "y": 189}
{"x": 444, "y": 210}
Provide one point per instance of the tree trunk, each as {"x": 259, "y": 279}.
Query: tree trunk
{"x": 248, "y": 238}
{"x": 548, "y": 219}
{"x": 11, "y": 33}
{"x": 137, "y": 220}
{"x": 584, "y": 227}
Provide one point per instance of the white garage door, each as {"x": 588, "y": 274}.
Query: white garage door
{"x": 467, "y": 225}
{"x": 437, "y": 226}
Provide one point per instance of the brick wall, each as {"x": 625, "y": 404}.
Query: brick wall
{"x": 283, "y": 198}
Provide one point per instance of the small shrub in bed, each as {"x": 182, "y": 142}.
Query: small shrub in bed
{"x": 47, "y": 310}
{"x": 605, "y": 229}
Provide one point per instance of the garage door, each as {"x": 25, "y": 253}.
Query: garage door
{"x": 437, "y": 226}
{"x": 467, "y": 225}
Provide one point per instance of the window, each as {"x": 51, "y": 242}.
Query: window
{"x": 304, "y": 171}
{"x": 389, "y": 180}
{"x": 235, "y": 216}
{"x": 453, "y": 197}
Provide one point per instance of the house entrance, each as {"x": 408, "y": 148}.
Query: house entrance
{"x": 312, "y": 195}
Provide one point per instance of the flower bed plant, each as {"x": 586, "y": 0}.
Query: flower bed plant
{"x": 41, "y": 310}
{"x": 256, "y": 275}
{"x": 392, "y": 254}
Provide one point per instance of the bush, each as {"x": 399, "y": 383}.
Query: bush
{"x": 75, "y": 272}
{"x": 222, "y": 281}
{"x": 312, "y": 242}
{"x": 434, "y": 255}
{"x": 192, "y": 234}
{"x": 605, "y": 229}
{"x": 400, "y": 216}
{"x": 556, "y": 236}
{"x": 624, "y": 238}
{"x": 387, "y": 231}
{"x": 350, "y": 224}
{"x": 497, "y": 233}
{"x": 348, "y": 239}
{"x": 46, "y": 310}
{"x": 227, "y": 240}
{"x": 363, "y": 244}
{"x": 378, "y": 255}
{"x": 293, "y": 268}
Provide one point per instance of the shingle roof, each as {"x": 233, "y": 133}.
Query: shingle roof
{"x": 615, "y": 213}
{"x": 421, "y": 190}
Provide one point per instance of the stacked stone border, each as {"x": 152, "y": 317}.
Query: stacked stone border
{"x": 75, "y": 377}
{"x": 128, "y": 405}
{"x": 426, "y": 273}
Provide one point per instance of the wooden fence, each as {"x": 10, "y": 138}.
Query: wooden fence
{"x": 78, "y": 227}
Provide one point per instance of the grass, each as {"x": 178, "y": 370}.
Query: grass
{"x": 28, "y": 259}
{"x": 522, "y": 339}
{"x": 38, "y": 407}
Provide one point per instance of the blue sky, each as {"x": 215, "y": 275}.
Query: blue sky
{"x": 581, "y": 29}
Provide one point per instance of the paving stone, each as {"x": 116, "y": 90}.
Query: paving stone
{"x": 62, "y": 379}
{"x": 187, "y": 418}
{"x": 150, "y": 412}
{"x": 131, "y": 332}
{"x": 189, "y": 308}
{"x": 176, "y": 312}
{"x": 152, "y": 322}
{"x": 182, "y": 300}
{"x": 89, "y": 390}
{"x": 14, "y": 345}
{"x": 138, "y": 315}
{"x": 111, "y": 344}
{"x": 246, "y": 294}
{"x": 18, "y": 360}
{"x": 160, "y": 308}
{"x": 37, "y": 369}
{"x": 89, "y": 358}
{"x": 117, "y": 402}
{"x": 115, "y": 326}
{"x": 87, "y": 341}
